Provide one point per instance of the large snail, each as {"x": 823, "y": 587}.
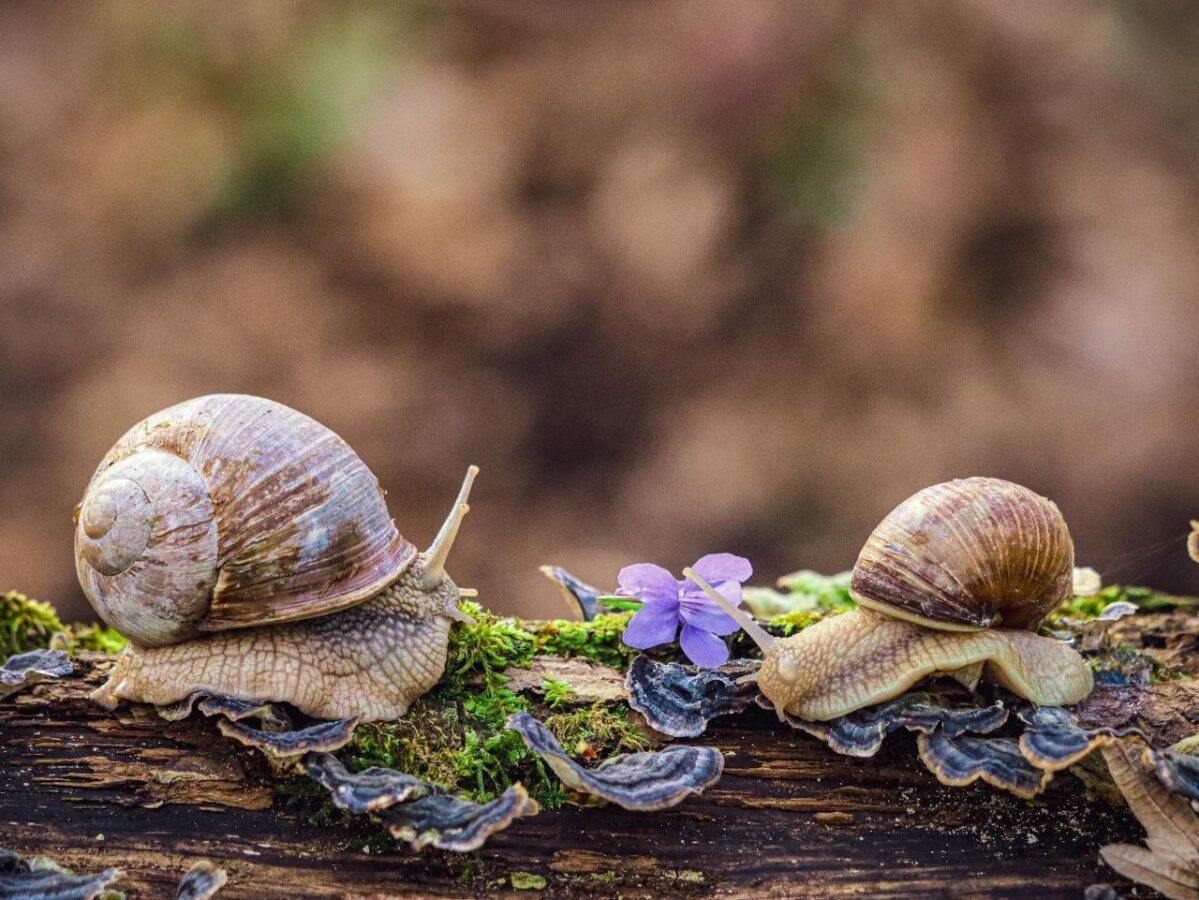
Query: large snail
{"x": 955, "y": 580}
{"x": 245, "y": 549}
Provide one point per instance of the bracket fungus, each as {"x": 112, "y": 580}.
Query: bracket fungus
{"x": 639, "y": 781}
{"x": 26, "y": 669}
{"x": 1053, "y": 738}
{"x": 581, "y": 597}
{"x": 40, "y": 878}
{"x": 1178, "y": 773}
{"x": 414, "y": 811}
{"x": 958, "y": 575}
{"x": 679, "y": 700}
{"x": 997, "y": 761}
{"x": 201, "y": 882}
{"x": 287, "y": 746}
{"x": 450, "y": 823}
{"x": 362, "y": 792}
{"x": 862, "y": 732}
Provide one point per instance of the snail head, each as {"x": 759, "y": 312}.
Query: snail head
{"x": 781, "y": 671}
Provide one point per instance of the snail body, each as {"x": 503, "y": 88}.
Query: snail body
{"x": 245, "y": 549}
{"x": 954, "y": 580}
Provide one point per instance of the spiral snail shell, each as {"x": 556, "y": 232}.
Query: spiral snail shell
{"x": 230, "y": 522}
{"x": 954, "y": 580}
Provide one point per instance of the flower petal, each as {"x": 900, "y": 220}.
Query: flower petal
{"x": 646, "y": 580}
{"x": 708, "y": 617}
{"x": 653, "y": 624}
{"x": 702, "y": 648}
{"x": 722, "y": 567}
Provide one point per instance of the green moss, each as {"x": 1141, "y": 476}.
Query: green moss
{"x": 598, "y": 640}
{"x": 25, "y": 624}
{"x": 456, "y": 736}
{"x": 1145, "y": 599}
{"x": 557, "y": 693}
{"x": 489, "y": 647}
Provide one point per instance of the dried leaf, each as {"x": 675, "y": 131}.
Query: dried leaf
{"x": 1170, "y": 863}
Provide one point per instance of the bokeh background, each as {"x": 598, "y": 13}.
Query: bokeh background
{"x": 680, "y": 276}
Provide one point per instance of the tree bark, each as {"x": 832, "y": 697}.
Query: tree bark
{"x": 92, "y": 789}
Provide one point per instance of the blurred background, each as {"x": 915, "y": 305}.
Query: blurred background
{"x": 679, "y": 276}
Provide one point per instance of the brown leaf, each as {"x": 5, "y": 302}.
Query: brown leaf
{"x": 1171, "y": 862}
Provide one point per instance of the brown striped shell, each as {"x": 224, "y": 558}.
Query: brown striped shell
{"x": 231, "y": 511}
{"x": 968, "y": 554}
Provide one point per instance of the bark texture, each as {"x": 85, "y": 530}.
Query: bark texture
{"x": 93, "y": 788}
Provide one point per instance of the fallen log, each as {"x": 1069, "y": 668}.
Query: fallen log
{"x": 94, "y": 789}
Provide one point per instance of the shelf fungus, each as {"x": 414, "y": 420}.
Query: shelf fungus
{"x": 997, "y": 761}
{"x": 27, "y": 669}
{"x": 39, "y": 877}
{"x": 638, "y": 781}
{"x": 1178, "y": 772}
{"x": 201, "y": 882}
{"x": 362, "y": 792}
{"x": 1054, "y": 740}
{"x": 581, "y": 597}
{"x": 449, "y": 823}
{"x": 415, "y": 811}
{"x": 679, "y": 700}
{"x": 862, "y": 733}
{"x": 288, "y": 746}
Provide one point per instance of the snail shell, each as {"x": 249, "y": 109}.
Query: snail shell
{"x": 231, "y": 511}
{"x": 968, "y": 554}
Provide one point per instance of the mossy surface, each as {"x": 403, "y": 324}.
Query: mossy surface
{"x": 1144, "y": 599}
{"x": 28, "y": 624}
{"x": 456, "y": 734}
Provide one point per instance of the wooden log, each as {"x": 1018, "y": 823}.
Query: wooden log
{"x": 92, "y": 789}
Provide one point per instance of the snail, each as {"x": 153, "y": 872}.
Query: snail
{"x": 244, "y": 549}
{"x": 955, "y": 580}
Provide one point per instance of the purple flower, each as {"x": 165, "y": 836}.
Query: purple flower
{"x": 666, "y": 602}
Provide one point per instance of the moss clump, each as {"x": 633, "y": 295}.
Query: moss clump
{"x": 456, "y": 735}
{"x": 25, "y": 624}
{"x": 28, "y": 624}
{"x": 1144, "y": 599}
{"x": 598, "y": 640}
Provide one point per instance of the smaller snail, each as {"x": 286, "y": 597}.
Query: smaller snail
{"x": 955, "y": 580}
{"x": 246, "y": 550}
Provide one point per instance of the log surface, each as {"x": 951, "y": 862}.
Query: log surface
{"x": 789, "y": 818}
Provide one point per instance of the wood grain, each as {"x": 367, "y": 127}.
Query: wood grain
{"x": 789, "y": 818}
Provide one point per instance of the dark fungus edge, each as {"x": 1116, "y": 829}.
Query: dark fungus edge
{"x": 26, "y": 669}
{"x": 679, "y": 700}
{"x": 638, "y": 781}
